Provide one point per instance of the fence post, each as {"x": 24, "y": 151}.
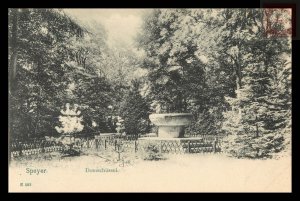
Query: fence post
{"x": 135, "y": 146}
{"x": 105, "y": 144}
{"x": 96, "y": 142}
{"x": 43, "y": 148}
{"x": 115, "y": 144}
{"x": 20, "y": 150}
{"x": 189, "y": 147}
{"x": 215, "y": 145}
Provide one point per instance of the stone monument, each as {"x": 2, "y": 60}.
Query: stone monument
{"x": 171, "y": 137}
{"x": 171, "y": 125}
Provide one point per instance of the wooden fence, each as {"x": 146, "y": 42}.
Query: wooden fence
{"x": 190, "y": 147}
{"x": 205, "y": 144}
{"x": 35, "y": 146}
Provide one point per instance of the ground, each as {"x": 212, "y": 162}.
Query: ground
{"x": 178, "y": 173}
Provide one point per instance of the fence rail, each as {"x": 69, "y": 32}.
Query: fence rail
{"x": 35, "y": 146}
{"x": 190, "y": 147}
{"x": 206, "y": 136}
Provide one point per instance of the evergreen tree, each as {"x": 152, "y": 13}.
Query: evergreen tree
{"x": 71, "y": 123}
{"x": 258, "y": 113}
{"x": 135, "y": 111}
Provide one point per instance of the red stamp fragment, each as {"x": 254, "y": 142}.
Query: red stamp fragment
{"x": 279, "y": 20}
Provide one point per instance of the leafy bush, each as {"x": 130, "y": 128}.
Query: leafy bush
{"x": 150, "y": 151}
{"x": 244, "y": 146}
{"x": 70, "y": 152}
{"x": 69, "y": 145}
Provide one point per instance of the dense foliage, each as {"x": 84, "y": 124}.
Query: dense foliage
{"x": 223, "y": 67}
{"x": 38, "y": 77}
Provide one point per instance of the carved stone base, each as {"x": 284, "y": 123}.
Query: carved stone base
{"x": 171, "y": 131}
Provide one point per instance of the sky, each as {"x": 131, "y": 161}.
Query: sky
{"x": 121, "y": 25}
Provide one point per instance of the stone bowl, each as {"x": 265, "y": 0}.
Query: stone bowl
{"x": 171, "y": 119}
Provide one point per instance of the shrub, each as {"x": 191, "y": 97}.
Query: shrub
{"x": 70, "y": 152}
{"x": 150, "y": 151}
{"x": 71, "y": 123}
{"x": 245, "y": 146}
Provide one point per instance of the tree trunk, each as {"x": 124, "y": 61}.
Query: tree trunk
{"x": 239, "y": 68}
{"x": 39, "y": 102}
{"x": 13, "y": 48}
{"x": 257, "y": 133}
{"x": 12, "y": 70}
{"x": 83, "y": 63}
{"x": 238, "y": 86}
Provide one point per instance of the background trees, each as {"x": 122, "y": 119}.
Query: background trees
{"x": 221, "y": 65}
{"x": 256, "y": 108}
{"x": 182, "y": 76}
{"x": 37, "y": 53}
{"x": 55, "y": 59}
{"x": 170, "y": 58}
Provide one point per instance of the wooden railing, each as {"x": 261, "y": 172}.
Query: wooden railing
{"x": 206, "y": 143}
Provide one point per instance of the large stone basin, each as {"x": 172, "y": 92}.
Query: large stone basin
{"x": 171, "y": 125}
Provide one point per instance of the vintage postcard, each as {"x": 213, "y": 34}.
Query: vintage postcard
{"x": 150, "y": 100}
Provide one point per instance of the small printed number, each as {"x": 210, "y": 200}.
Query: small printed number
{"x": 25, "y": 184}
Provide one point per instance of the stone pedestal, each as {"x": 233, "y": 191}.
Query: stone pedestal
{"x": 171, "y": 131}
